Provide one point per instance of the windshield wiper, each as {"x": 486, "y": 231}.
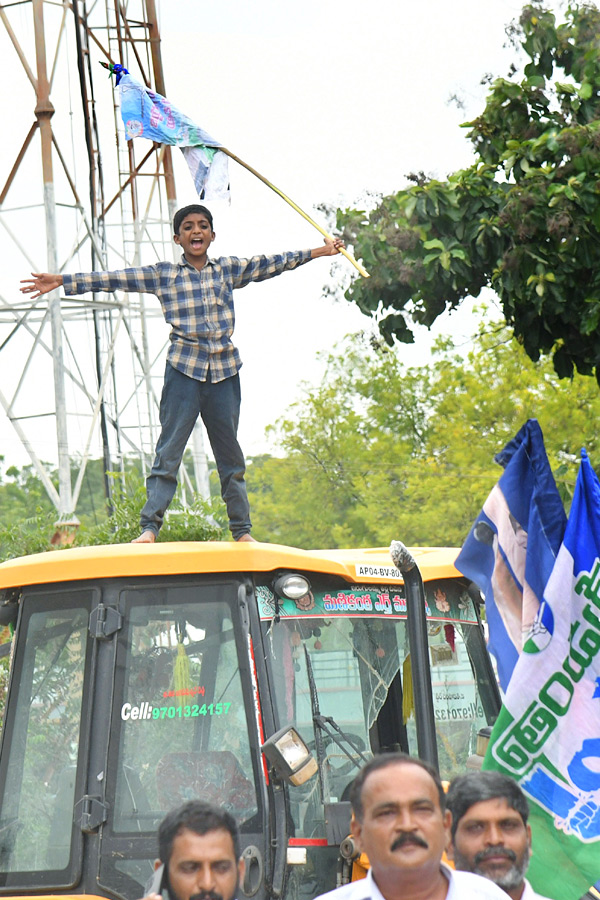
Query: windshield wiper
{"x": 328, "y": 726}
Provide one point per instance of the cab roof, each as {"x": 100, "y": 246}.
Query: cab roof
{"x": 184, "y": 558}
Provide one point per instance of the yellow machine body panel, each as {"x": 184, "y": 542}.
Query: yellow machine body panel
{"x": 182, "y": 558}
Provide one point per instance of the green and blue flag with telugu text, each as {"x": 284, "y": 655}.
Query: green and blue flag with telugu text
{"x": 547, "y": 736}
{"x": 149, "y": 115}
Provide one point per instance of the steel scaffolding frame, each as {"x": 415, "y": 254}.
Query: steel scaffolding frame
{"x": 117, "y": 212}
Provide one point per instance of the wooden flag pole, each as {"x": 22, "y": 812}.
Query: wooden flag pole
{"x": 119, "y": 71}
{"x": 304, "y": 215}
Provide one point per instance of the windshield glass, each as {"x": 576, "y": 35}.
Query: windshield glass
{"x": 353, "y": 647}
{"x": 181, "y": 714}
{"x": 40, "y": 765}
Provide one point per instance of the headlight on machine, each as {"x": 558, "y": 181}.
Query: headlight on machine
{"x": 291, "y": 586}
{"x": 289, "y": 756}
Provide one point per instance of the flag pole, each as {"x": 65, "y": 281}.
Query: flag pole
{"x": 118, "y": 70}
{"x": 295, "y": 206}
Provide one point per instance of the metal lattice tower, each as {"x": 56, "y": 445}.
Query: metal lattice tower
{"x": 76, "y": 196}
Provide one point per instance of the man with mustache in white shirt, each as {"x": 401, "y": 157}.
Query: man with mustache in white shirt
{"x": 399, "y": 821}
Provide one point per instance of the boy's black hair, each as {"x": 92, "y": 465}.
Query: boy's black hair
{"x": 199, "y": 817}
{"x": 187, "y": 211}
{"x": 475, "y": 787}
{"x": 382, "y": 761}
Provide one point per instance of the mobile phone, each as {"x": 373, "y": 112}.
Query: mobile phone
{"x": 156, "y": 884}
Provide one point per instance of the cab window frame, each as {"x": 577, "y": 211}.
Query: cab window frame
{"x": 34, "y": 601}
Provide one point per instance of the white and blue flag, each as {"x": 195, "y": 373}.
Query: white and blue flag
{"x": 149, "y": 115}
{"x": 512, "y": 547}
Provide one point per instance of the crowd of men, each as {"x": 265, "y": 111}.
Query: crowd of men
{"x": 401, "y": 818}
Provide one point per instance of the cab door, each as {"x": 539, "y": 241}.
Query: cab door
{"x": 183, "y": 723}
{"x": 45, "y": 741}
{"x": 127, "y": 698}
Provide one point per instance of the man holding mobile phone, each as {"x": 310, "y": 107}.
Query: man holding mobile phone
{"x": 199, "y": 850}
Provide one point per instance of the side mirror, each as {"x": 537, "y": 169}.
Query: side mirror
{"x": 289, "y": 755}
{"x": 483, "y": 739}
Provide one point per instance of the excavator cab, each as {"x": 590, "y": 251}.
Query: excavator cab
{"x": 142, "y": 677}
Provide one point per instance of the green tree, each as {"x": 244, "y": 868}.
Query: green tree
{"x": 336, "y": 451}
{"x": 381, "y": 451}
{"x": 524, "y": 219}
{"x": 197, "y": 520}
{"x": 24, "y": 498}
{"x": 22, "y": 494}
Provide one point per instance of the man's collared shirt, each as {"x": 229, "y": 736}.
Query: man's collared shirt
{"x": 530, "y": 894}
{"x": 461, "y": 886}
{"x": 197, "y": 304}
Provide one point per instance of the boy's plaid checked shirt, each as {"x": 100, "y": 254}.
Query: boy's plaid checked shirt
{"x": 198, "y": 305}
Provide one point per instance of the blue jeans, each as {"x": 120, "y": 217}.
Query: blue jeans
{"x": 183, "y": 400}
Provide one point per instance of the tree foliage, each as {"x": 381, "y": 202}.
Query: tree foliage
{"x": 195, "y": 521}
{"x": 380, "y": 451}
{"x": 23, "y": 496}
{"x": 524, "y": 219}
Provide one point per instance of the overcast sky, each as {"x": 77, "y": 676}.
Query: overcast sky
{"x": 331, "y": 102}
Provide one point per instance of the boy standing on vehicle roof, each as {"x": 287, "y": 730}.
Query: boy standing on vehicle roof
{"x": 201, "y": 377}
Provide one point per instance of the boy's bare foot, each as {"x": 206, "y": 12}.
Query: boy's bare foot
{"x": 245, "y": 538}
{"x": 146, "y": 537}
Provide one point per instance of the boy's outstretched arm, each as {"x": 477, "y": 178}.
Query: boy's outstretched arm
{"x": 144, "y": 279}
{"x": 42, "y": 282}
{"x": 259, "y": 268}
{"x": 329, "y": 248}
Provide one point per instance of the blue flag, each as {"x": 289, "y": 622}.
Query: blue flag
{"x": 512, "y": 547}
{"x": 150, "y": 115}
{"x": 547, "y": 736}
